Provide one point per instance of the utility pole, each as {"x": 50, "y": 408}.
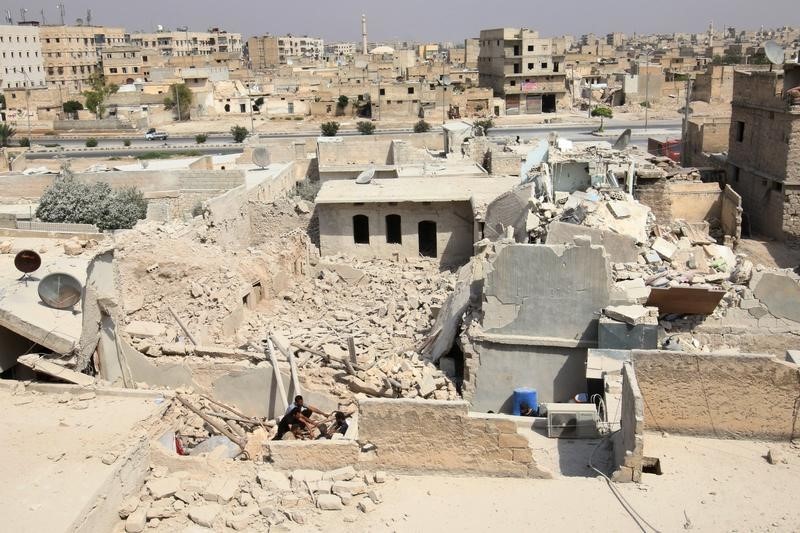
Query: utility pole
{"x": 572, "y": 86}
{"x": 28, "y": 104}
{"x": 589, "y": 83}
{"x": 252, "y": 120}
{"x": 61, "y": 10}
{"x": 43, "y": 21}
{"x": 685, "y": 129}
{"x": 178, "y": 102}
{"x": 444, "y": 90}
{"x": 647, "y": 89}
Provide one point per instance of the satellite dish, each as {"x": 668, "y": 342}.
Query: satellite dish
{"x": 60, "y": 291}
{"x": 446, "y": 80}
{"x": 27, "y": 261}
{"x": 775, "y": 53}
{"x": 365, "y": 177}
{"x": 261, "y": 156}
{"x": 289, "y": 62}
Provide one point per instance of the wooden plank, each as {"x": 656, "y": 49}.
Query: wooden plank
{"x": 213, "y": 423}
{"x": 277, "y": 373}
{"x": 283, "y": 347}
{"x": 182, "y": 325}
{"x": 685, "y": 300}
{"x": 37, "y": 363}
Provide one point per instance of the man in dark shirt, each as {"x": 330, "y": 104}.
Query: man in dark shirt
{"x": 292, "y": 421}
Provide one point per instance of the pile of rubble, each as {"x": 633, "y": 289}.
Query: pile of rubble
{"x": 249, "y": 497}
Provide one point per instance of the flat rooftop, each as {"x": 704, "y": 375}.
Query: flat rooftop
{"x": 441, "y": 189}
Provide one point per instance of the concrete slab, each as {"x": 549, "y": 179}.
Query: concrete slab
{"x": 22, "y": 311}
{"x": 614, "y": 335}
{"x": 52, "y": 451}
{"x": 619, "y": 248}
{"x": 780, "y": 293}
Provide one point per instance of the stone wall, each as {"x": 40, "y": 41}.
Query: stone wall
{"x": 315, "y": 455}
{"x": 436, "y": 437}
{"x": 694, "y": 201}
{"x": 724, "y": 396}
{"x": 109, "y": 123}
{"x": 731, "y": 215}
{"x": 629, "y": 441}
{"x": 371, "y": 149}
{"x": 454, "y": 227}
{"x": 653, "y": 194}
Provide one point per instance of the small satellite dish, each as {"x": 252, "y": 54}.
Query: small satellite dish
{"x": 261, "y": 156}
{"x": 775, "y": 53}
{"x": 365, "y": 177}
{"x": 27, "y": 261}
{"x": 60, "y": 291}
{"x": 289, "y": 62}
{"x": 445, "y": 80}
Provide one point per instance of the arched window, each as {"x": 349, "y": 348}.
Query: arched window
{"x": 394, "y": 233}
{"x": 361, "y": 229}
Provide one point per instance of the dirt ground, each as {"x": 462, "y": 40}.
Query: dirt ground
{"x": 770, "y": 253}
{"x": 707, "y": 485}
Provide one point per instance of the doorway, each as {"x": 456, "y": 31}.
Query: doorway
{"x": 548, "y": 103}
{"x": 427, "y": 238}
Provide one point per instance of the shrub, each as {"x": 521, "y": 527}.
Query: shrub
{"x": 91, "y": 142}
{"x": 69, "y": 200}
{"x": 307, "y": 189}
{"x": 200, "y": 138}
{"x": 72, "y": 106}
{"x": 366, "y": 127}
{"x": 422, "y": 127}
{"x": 342, "y": 101}
{"x": 239, "y": 133}
{"x": 486, "y": 124}
{"x": 6, "y": 132}
{"x": 126, "y": 142}
{"x": 329, "y": 129}
{"x": 25, "y": 142}
{"x": 298, "y": 118}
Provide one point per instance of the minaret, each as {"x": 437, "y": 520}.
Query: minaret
{"x": 364, "y": 34}
{"x": 711, "y": 33}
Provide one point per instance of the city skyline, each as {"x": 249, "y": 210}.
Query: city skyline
{"x": 417, "y": 20}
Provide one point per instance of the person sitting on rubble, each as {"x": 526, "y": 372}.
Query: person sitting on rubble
{"x": 293, "y": 421}
{"x": 339, "y": 425}
{"x": 525, "y": 410}
{"x": 305, "y": 410}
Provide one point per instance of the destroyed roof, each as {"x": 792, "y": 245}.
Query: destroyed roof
{"x": 480, "y": 190}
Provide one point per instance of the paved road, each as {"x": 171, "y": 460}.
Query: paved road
{"x": 218, "y": 144}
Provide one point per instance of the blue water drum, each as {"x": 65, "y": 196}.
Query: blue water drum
{"x": 525, "y": 395}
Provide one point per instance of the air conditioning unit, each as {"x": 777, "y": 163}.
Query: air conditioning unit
{"x": 572, "y": 421}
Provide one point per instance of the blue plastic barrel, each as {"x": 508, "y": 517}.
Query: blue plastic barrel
{"x": 525, "y": 395}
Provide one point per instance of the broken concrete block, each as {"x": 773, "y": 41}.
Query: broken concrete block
{"x": 341, "y": 474}
{"x": 221, "y": 490}
{"x": 652, "y": 258}
{"x": 375, "y": 496}
{"x": 619, "y": 209}
{"x": 759, "y": 312}
{"x": 72, "y": 248}
{"x": 533, "y": 222}
{"x": 128, "y": 507}
{"x": 366, "y": 505}
{"x": 776, "y": 456}
{"x": 512, "y": 440}
{"x": 793, "y": 356}
{"x": 144, "y": 330}
{"x": 427, "y": 386}
{"x": 329, "y": 502}
{"x": 306, "y": 475}
{"x": 136, "y": 521}
{"x": 272, "y": 479}
{"x": 749, "y": 304}
{"x": 204, "y": 515}
{"x": 664, "y": 248}
{"x": 346, "y": 498}
{"x": 633, "y": 314}
{"x": 161, "y": 488}
{"x": 353, "y": 487}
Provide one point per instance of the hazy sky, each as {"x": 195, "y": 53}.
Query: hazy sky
{"x": 435, "y": 20}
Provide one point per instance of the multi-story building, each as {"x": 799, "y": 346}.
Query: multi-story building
{"x": 262, "y": 52}
{"x": 21, "y": 63}
{"x": 764, "y": 150}
{"x": 183, "y": 42}
{"x": 122, "y": 64}
{"x": 340, "y": 49}
{"x": 290, "y": 47}
{"x": 521, "y": 68}
{"x": 73, "y": 53}
{"x": 472, "y": 47}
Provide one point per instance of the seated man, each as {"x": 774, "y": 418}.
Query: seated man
{"x": 293, "y": 421}
{"x": 339, "y": 425}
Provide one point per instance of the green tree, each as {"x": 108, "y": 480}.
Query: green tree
{"x": 185, "y": 97}
{"x": 69, "y": 200}
{"x": 200, "y": 138}
{"x": 365, "y": 127}
{"x": 603, "y": 113}
{"x": 342, "y": 101}
{"x": 24, "y": 142}
{"x": 486, "y": 124}
{"x": 239, "y": 133}
{"x": 98, "y": 93}
{"x": 91, "y": 142}
{"x": 422, "y": 127}
{"x": 72, "y": 106}
{"x": 6, "y": 132}
{"x": 329, "y": 129}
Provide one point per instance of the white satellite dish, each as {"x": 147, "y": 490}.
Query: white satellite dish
{"x": 775, "y": 53}
{"x": 366, "y": 176}
{"x": 261, "y": 156}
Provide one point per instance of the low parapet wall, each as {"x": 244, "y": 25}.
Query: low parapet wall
{"x": 724, "y": 396}
{"x": 629, "y": 441}
{"x": 426, "y": 436}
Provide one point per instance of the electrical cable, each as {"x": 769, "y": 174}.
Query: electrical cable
{"x": 639, "y": 519}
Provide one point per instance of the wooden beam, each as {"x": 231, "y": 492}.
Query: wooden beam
{"x": 213, "y": 423}
{"x": 277, "y": 373}
{"x": 182, "y": 325}
{"x": 283, "y": 346}
{"x": 37, "y": 363}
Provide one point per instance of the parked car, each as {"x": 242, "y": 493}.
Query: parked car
{"x": 153, "y": 135}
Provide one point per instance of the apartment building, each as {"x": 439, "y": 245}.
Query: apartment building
{"x": 340, "y": 49}
{"x": 183, "y": 42}
{"x": 262, "y": 52}
{"x": 21, "y": 64}
{"x": 73, "y": 53}
{"x": 122, "y": 64}
{"x": 521, "y": 68}
{"x": 290, "y": 47}
{"x": 269, "y": 51}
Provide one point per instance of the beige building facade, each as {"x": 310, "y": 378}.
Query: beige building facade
{"x": 521, "y": 68}
{"x": 123, "y": 64}
{"x": 21, "y": 64}
{"x": 181, "y": 43}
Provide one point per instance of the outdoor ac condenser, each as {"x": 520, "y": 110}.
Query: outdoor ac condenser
{"x": 572, "y": 421}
